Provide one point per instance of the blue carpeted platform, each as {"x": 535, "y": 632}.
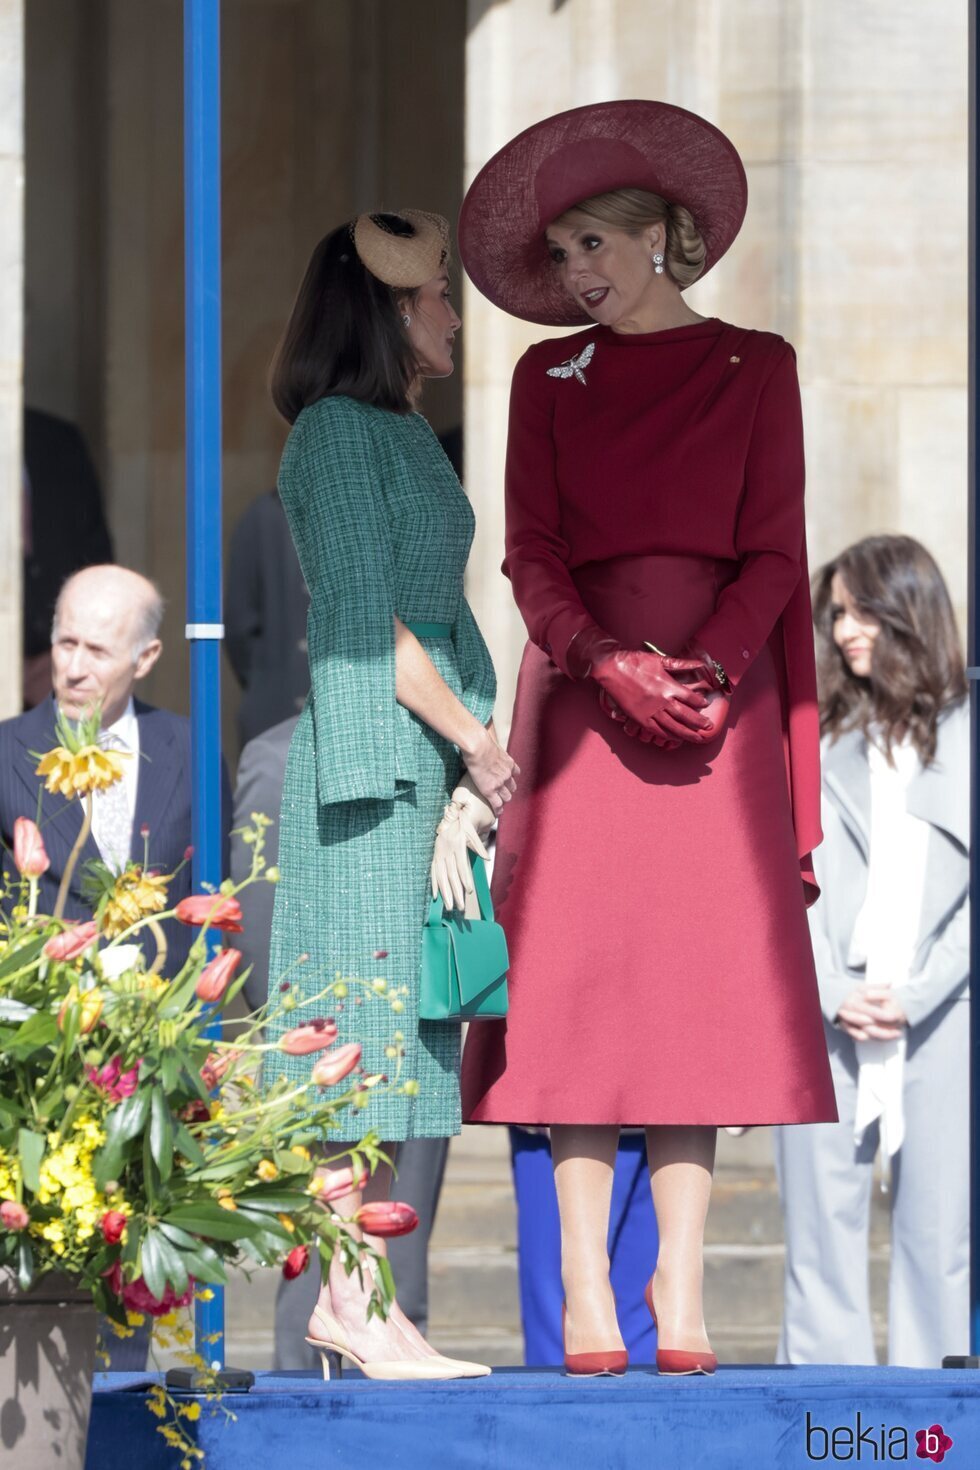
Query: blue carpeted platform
{"x": 538, "y": 1419}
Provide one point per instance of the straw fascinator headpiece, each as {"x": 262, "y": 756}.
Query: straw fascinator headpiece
{"x": 404, "y": 249}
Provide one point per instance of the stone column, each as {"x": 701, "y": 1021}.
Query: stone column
{"x": 852, "y": 123}
{"x": 11, "y": 346}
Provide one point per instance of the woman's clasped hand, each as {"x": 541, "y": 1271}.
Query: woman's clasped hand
{"x": 645, "y": 691}
{"x": 493, "y": 772}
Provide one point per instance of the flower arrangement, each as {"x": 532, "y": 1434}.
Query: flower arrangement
{"x": 138, "y": 1153}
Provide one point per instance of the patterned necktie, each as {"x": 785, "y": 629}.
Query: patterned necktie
{"x": 114, "y": 825}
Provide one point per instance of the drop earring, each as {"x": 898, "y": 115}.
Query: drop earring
{"x": 658, "y": 264}
{"x": 407, "y": 320}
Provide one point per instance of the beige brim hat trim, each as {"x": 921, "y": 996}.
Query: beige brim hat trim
{"x": 402, "y": 261}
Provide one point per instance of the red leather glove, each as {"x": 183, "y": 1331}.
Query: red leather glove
{"x": 709, "y": 678}
{"x": 639, "y": 683}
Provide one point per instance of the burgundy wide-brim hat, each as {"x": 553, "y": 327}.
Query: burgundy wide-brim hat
{"x": 573, "y": 156}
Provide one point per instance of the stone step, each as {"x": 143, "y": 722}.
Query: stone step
{"x": 473, "y": 1288}
{"x": 747, "y": 1208}
{"x": 744, "y": 1284}
{"x": 476, "y": 1214}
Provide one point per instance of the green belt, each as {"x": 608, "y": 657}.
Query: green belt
{"x": 430, "y": 630}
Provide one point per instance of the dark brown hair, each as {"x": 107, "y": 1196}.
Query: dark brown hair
{"x": 345, "y": 333}
{"x": 916, "y": 661}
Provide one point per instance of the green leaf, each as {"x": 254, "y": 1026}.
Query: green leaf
{"x": 128, "y": 1118}
{"x": 71, "y": 1027}
{"x": 188, "y": 1145}
{"x": 201, "y": 1259}
{"x": 25, "y": 1264}
{"x": 267, "y": 1225}
{"x": 213, "y": 1221}
{"x": 37, "y": 1032}
{"x": 132, "y": 1242}
{"x": 108, "y": 1164}
{"x": 276, "y": 1201}
{"x": 179, "y": 1237}
{"x": 170, "y": 1071}
{"x": 151, "y": 1174}
{"x": 172, "y": 1260}
{"x": 24, "y": 954}
{"x": 161, "y": 1133}
{"x": 30, "y": 1147}
{"x": 290, "y": 1163}
{"x": 152, "y": 1265}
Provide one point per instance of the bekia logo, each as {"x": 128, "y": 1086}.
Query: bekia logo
{"x": 873, "y": 1442}
{"x": 933, "y": 1443}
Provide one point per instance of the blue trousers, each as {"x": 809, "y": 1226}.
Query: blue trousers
{"x": 633, "y": 1243}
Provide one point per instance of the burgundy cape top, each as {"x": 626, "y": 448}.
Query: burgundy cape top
{"x": 724, "y": 413}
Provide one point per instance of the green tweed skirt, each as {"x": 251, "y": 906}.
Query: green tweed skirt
{"x": 354, "y": 886}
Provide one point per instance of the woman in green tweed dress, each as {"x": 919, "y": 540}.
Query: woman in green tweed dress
{"x": 402, "y": 691}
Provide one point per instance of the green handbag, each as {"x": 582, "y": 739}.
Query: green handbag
{"x": 464, "y": 961}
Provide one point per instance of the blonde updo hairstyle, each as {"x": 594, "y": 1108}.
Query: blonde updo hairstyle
{"x": 633, "y": 210}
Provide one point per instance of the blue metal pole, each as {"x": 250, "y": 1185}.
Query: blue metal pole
{"x": 202, "y": 288}
{"x": 973, "y": 656}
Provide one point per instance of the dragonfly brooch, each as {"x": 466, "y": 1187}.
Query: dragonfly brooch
{"x": 574, "y": 367}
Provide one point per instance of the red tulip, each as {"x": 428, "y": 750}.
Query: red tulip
{"x": 216, "y": 1066}
{"x": 386, "y": 1217}
{"x": 72, "y": 942}
{"x": 335, "y": 1183}
{"x": 296, "y": 1262}
{"x": 13, "y": 1215}
{"x": 30, "y": 857}
{"x": 315, "y": 1035}
{"x": 333, "y": 1066}
{"x": 211, "y": 911}
{"x": 112, "y": 1225}
{"x": 215, "y": 978}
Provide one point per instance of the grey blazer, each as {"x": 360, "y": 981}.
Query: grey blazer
{"x": 940, "y": 795}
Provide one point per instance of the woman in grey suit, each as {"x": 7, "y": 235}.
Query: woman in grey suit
{"x": 891, "y": 940}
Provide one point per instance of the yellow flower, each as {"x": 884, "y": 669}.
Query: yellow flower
{"x": 303, "y": 1153}
{"x": 286, "y": 1222}
{"x": 225, "y": 1200}
{"x": 75, "y": 773}
{"x": 267, "y": 1170}
{"x": 191, "y": 1410}
{"x": 90, "y": 1002}
{"x": 135, "y": 896}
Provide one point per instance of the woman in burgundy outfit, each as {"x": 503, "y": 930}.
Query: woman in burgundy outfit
{"x": 648, "y": 872}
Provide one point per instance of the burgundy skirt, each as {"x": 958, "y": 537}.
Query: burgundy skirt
{"x": 661, "y": 969}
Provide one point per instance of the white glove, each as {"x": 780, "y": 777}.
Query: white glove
{"x": 456, "y": 837}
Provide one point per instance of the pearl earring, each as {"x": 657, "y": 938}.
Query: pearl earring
{"x": 407, "y": 320}
{"x": 658, "y": 264}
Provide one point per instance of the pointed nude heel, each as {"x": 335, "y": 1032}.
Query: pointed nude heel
{"x": 333, "y": 1344}
{"x": 329, "y": 1360}
{"x": 676, "y": 1362}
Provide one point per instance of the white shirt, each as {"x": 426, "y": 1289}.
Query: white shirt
{"x": 886, "y": 931}
{"x": 126, "y": 737}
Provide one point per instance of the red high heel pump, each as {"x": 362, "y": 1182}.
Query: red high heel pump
{"x": 676, "y": 1361}
{"x": 593, "y": 1365}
